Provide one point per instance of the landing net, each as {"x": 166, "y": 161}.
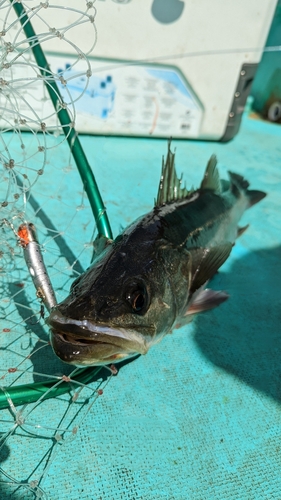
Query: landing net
{"x": 40, "y": 183}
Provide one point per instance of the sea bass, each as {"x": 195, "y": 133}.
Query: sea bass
{"x": 152, "y": 278}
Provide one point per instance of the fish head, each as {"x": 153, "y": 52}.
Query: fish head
{"x": 117, "y": 309}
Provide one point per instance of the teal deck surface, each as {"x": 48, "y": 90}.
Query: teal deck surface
{"x": 198, "y": 417}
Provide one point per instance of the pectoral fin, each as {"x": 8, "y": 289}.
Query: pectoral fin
{"x": 206, "y": 262}
{"x": 205, "y": 300}
{"x": 241, "y": 230}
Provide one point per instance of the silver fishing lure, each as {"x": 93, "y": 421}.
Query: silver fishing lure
{"x": 35, "y": 264}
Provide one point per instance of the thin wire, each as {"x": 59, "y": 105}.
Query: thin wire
{"x": 183, "y": 55}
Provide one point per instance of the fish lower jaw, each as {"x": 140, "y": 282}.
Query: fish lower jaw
{"x": 79, "y": 351}
{"x": 64, "y": 337}
{"x": 111, "y": 360}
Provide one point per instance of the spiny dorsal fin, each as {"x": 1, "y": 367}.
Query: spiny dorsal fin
{"x": 211, "y": 179}
{"x": 170, "y": 186}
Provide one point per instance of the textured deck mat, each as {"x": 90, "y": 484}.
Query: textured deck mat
{"x": 199, "y": 416}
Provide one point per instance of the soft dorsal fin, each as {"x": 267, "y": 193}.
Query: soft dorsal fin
{"x": 211, "y": 179}
{"x": 170, "y": 186}
{"x": 206, "y": 262}
{"x": 238, "y": 184}
{"x": 238, "y": 181}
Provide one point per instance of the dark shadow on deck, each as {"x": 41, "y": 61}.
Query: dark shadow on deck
{"x": 243, "y": 336}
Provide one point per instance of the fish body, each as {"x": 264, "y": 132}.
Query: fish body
{"x": 152, "y": 277}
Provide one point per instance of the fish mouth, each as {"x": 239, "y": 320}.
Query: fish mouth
{"x": 83, "y": 343}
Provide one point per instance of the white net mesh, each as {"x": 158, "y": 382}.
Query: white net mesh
{"x": 33, "y": 151}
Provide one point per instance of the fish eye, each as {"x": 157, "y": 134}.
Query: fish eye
{"x": 137, "y": 298}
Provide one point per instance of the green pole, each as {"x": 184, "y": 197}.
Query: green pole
{"x": 77, "y": 151}
{"x": 30, "y": 393}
